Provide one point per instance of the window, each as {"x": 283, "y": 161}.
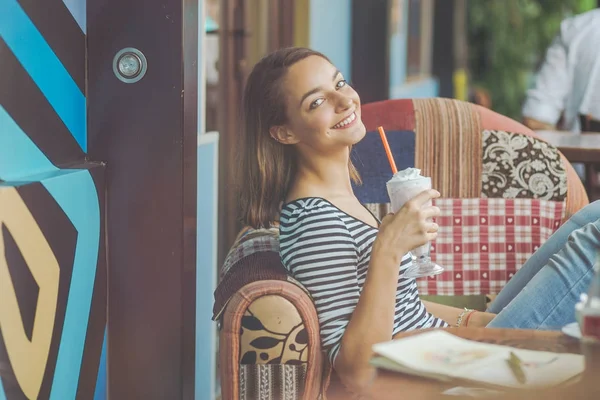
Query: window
{"x": 419, "y": 37}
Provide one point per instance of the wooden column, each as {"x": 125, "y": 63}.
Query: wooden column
{"x": 443, "y": 46}
{"x": 370, "y": 55}
{"x": 146, "y": 133}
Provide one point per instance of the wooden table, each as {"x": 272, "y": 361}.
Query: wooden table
{"x": 391, "y": 385}
{"x": 583, "y": 148}
{"x": 577, "y": 148}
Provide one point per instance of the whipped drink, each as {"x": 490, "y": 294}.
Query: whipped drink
{"x": 404, "y": 186}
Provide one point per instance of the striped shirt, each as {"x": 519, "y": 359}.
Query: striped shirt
{"x": 328, "y": 252}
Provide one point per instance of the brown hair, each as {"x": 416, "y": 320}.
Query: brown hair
{"x": 267, "y": 167}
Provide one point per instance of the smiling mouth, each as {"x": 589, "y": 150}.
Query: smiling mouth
{"x": 345, "y": 122}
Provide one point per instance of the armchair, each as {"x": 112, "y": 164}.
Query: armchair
{"x": 269, "y": 332}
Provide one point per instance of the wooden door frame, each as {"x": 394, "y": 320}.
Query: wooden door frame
{"x": 231, "y": 52}
{"x": 233, "y": 71}
{"x": 281, "y": 21}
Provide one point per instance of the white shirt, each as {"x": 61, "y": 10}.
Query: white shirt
{"x": 569, "y": 79}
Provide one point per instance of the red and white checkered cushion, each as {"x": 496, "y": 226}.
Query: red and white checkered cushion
{"x": 483, "y": 242}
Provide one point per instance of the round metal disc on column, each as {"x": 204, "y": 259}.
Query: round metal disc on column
{"x": 129, "y": 65}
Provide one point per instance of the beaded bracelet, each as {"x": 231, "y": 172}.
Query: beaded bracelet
{"x": 462, "y": 315}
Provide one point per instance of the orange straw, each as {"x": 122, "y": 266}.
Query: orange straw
{"x": 386, "y": 146}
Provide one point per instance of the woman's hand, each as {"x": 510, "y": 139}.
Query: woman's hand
{"x": 372, "y": 320}
{"x": 409, "y": 228}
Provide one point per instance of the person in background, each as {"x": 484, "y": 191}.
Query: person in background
{"x": 567, "y": 86}
{"x": 568, "y": 82}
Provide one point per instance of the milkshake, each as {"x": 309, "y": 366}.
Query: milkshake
{"x": 404, "y": 186}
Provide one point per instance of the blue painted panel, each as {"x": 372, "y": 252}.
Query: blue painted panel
{"x": 44, "y": 67}
{"x": 78, "y": 9}
{"x": 206, "y": 265}
{"x": 19, "y": 156}
{"x": 101, "y": 382}
{"x": 2, "y": 393}
{"x": 76, "y": 194}
{"x": 331, "y": 31}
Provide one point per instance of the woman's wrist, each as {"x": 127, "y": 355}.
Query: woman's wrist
{"x": 463, "y": 318}
{"x": 385, "y": 254}
{"x": 473, "y": 318}
{"x": 480, "y": 319}
{"x": 384, "y": 266}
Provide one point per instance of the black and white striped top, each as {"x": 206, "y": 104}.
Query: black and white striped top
{"x": 328, "y": 252}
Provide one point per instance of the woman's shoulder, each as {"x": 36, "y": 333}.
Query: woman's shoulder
{"x": 306, "y": 209}
{"x": 311, "y": 221}
{"x": 306, "y": 203}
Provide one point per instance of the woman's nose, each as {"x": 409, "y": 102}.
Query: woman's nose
{"x": 344, "y": 102}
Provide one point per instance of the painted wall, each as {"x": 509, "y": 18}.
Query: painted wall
{"x": 206, "y": 232}
{"x": 399, "y": 87}
{"x": 422, "y": 88}
{"x": 206, "y": 264}
{"x": 330, "y": 31}
{"x": 397, "y": 46}
{"x": 52, "y": 253}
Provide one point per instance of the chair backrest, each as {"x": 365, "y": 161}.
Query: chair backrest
{"x": 456, "y": 143}
{"x": 504, "y": 191}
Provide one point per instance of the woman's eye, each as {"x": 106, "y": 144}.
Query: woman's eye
{"x": 316, "y": 103}
{"x": 341, "y": 84}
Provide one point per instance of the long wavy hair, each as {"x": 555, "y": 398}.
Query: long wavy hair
{"x": 267, "y": 167}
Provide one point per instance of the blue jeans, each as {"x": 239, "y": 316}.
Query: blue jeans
{"x": 543, "y": 293}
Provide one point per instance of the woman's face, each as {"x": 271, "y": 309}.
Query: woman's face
{"x": 323, "y": 110}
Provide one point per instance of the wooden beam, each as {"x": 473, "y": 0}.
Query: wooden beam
{"x": 146, "y": 133}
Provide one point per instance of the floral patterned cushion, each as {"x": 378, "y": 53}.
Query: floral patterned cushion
{"x": 273, "y": 333}
{"x": 521, "y": 166}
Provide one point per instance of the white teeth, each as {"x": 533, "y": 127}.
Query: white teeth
{"x": 345, "y": 122}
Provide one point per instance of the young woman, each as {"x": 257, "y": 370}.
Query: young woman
{"x": 301, "y": 120}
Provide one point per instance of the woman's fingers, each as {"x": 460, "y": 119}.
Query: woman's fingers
{"x": 430, "y": 212}
{"x": 422, "y": 198}
{"x": 387, "y": 217}
{"x": 431, "y": 236}
{"x": 432, "y": 227}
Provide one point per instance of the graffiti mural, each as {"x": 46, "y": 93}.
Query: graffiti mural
{"x": 52, "y": 251}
